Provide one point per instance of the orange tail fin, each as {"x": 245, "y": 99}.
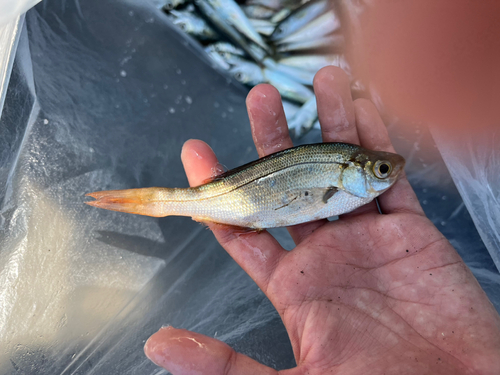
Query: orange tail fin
{"x": 146, "y": 201}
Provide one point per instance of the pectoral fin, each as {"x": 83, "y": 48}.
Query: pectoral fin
{"x": 329, "y": 193}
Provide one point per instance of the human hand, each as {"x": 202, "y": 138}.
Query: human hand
{"x": 369, "y": 293}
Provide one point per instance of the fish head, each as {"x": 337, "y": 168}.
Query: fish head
{"x": 184, "y": 24}
{"x": 368, "y": 174}
{"x": 170, "y": 4}
{"x": 247, "y": 73}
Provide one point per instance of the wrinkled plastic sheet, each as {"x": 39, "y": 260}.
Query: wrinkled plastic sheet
{"x": 102, "y": 96}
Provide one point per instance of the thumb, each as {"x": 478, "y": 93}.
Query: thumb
{"x": 184, "y": 352}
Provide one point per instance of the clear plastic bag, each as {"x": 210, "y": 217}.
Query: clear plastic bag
{"x": 102, "y": 96}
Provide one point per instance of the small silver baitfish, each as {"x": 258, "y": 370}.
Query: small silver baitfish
{"x": 293, "y": 186}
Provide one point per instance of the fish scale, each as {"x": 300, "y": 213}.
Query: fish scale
{"x": 289, "y": 187}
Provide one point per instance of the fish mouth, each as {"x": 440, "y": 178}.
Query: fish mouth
{"x": 399, "y": 166}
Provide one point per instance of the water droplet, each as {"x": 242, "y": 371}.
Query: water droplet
{"x": 171, "y": 110}
{"x": 188, "y": 100}
{"x": 424, "y": 202}
{"x": 183, "y": 82}
{"x": 444, "y": 197}
{"x": 178, "y": 71}
{"x": 123, "y": 73}
{"x": 165, "y": 87}
{"x": 443, "y": 223}
{"x": 224, "y": 114}
{"x": 91, "y": 150}
{"x": 131, "y": 13}
{"x": 424, "y": 191}
{"x": 45, "y": 121}
{"x": 230, "y": 109}
{"x": 216, "y": 105}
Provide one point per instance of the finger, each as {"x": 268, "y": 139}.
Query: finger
{"x": 267, "y": 120}
{"x": 270, "y": 134}
{"x": 336, "y": 115}
{"x": 335, "y": 106}
{"x": 183, "y": 352}
{"x": 199, "y": 160}
{"x": 258, "y": 253}
{"x": 373, "y": 134}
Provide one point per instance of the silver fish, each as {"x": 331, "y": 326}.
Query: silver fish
{"x": 331, "y": 42}
{"x": 303, "y": 76}
{"x": 258, "y": 11}
{"x": 313, "y": 63}
{"x": 287, "y": 87}
{"x": 172, "y": 4}
{"x": 232, "y": 13}
{"x": 309, "y": 62}
{"x": 299, "y": 18}
{"x": 304, "y": 119}
{"x": 217, "y": 58}
{"x": 227, "y": 47}
{"x": 290, "y": 187}
{"x": 193, "y": 25}
{"x": 217, "y": 19}
{"x": 272, "y": 4}
{"x": 247, "y": 73}
{"x": 321, "y": 26}
{"x": 281, "y": 15}
{"x": 263, "y": 27}
{"x": 289, "y": 108}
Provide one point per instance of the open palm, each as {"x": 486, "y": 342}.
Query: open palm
{"x": 370, "y": 293}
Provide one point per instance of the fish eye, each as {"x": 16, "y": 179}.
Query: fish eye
{"x": 382, "y": 169}
{"x": 238, "y": 76}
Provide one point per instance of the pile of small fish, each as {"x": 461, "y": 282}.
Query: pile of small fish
{"x": 281, "y": 42}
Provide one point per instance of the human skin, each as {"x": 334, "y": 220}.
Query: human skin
{"x": 371, "y": 293}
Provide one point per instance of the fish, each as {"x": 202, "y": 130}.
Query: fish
{"x": 299, "y": 18}
{"x": 311, "y": 62}
{"x": 193, "y": 25}
{"x": 171, "y": 4}
{"x": 230, "y": 11}
{"x": 287, "y": 87}
{"x": 227, "y": 47}
{"x": 290, "y": 187}
{"x": 334, "y": 41}
{"x": 273, "y": 4}
{"x": 217, "y": 58}
{"x": 304, "y": 118}
{"x": 247, "y": 73}
{"x": 320, "y": 27}
{"x": 258, "y": 12}
{"x": 281, "y": 15}
{"x": 289, "y": 108}
{"x": 263, "y": 27}
{"x": 303, "y": 76}
{"x": 219, "y": 21}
